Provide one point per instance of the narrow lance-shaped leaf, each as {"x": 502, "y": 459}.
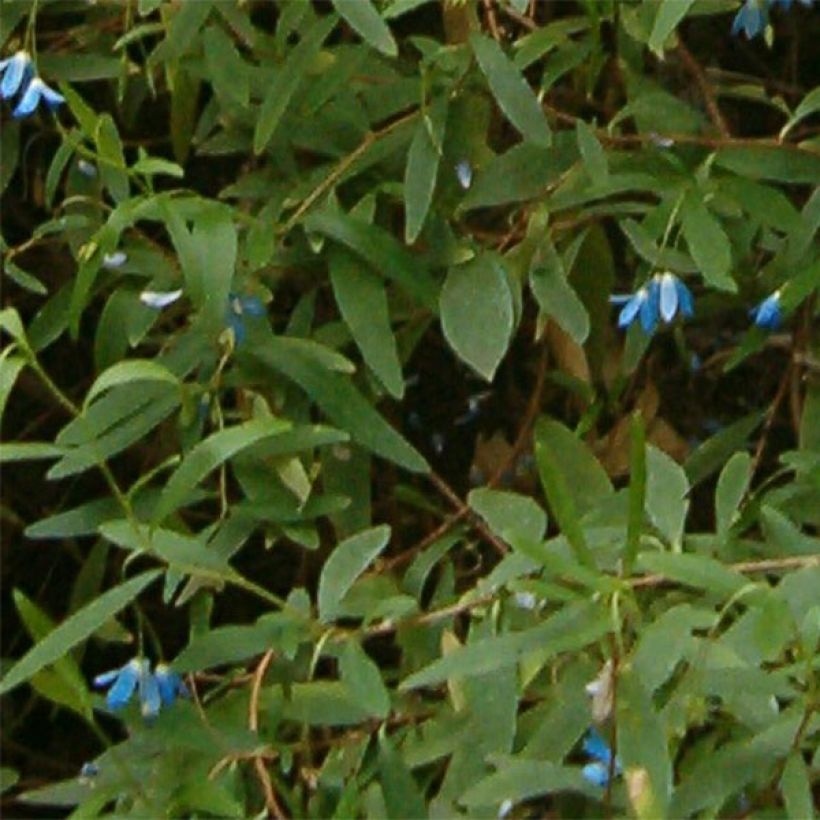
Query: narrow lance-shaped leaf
{"x": 208, "y": 455}
{"x": 287, "y": 79}
{"x": 637, "y": 490}
{"x": 347, "y": 561}
{"x": 511, "y": 91}
{"x": 337, "y": 397}
{"x": 132, "y": 370}
{"x": 75, "y": 629}
{"x": 362, "y": 300}
{"x": 363, "y": 18}
{"x": 422, "y": 167}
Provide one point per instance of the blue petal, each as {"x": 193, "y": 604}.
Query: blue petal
{"x": 105, "y": 678}
{"x": 668, "y": 297}
{"x": 650, "y": 308}
{"x": 15, "y": 71}
{"x": 170, "y": 684}
{"x": 768, "y": 314}
{"x": 686, "y": 302}
{"x": 464, "y": 172}
{"x": 120, "y": 693}
{"x": 620, "y": 298}
{"x": 29, "y": 100}
{"x": 631, "y": 308}
{"x": 596, "y": 747}
{"x": 150, "y": 700}
{"x": 596, "y": 773}
{"x": 253, "y": 306}
{"x": 52, "y": 98}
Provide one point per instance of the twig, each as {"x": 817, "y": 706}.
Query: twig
{"x": 253, "y": 724}
{"x": 694, "y": 68}
{"x": 491, "y": 21}
{"x": 447, "y": 491}
{"x": 333, "y": 177}
{"x": 463, "y": 511}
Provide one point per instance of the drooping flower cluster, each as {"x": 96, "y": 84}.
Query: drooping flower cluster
{"x": 753, "y": 15}
{"x": 17, "y": 76}
{"x": 598, "y": 770}
{"x": 156, "y": 689}
{"x": 662, "y": 297}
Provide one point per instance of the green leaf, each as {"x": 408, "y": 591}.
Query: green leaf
{"x": 572, "y": 628}
{"x": 648, "y": 249}
{"x": 380, "y": 249}
{"x": 665, "y": 642}
{"x": 364, "y": 19}
{"x": 402, "y": 797}
{"x": 208, "y": 454}
{"x": 421, "y": 170}
{"x": 707, "y": 243}
{"x": 670, "y": 13}
{"x": 287, "y": 79}
{"x": 112, "y": 159}
{"x": 809, "y": 105}
{"x": 697, "y": 571}
{"x": 363, "y": 680}
{"x": 713, "y": 453}
{"x": 667, "y": 488}
{"x": 184, "y": 553}
{"x": 586, "y": 480}
{"x": 558, "y": 488}
{"x": 477, "y": 313}
{"x": 508, "y": 512}
{"x": 643, "y": 749}
{"x": 10, "y": 368}
{"x": 362, "y": 301}
{"x": 731, "y": 488}
{"x": 555, "y": 297}
{"x": 155, "y": 166}
{"x": 519, "y": 779}
{"x": 337, "y": 397}
{"x": 29, "y": 451}
{"x": 64, "y": 683}
{"x": 215, "y": 240}
{"x": 795, "y": 787}
{"x": 637, "y": 490}
{"x": 346, "y": 563}
{"x": 75, "y": 629}
{"x": 592, "y": 153}
{"x": 133, "y": 370}
{"x": 771, "y": 162}
{"x": 79, "y": 521}
{"x": 511, "y": 91}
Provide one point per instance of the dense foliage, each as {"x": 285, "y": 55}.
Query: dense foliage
{"x": 412, "y": 408}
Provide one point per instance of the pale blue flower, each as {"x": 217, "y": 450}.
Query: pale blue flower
{"x": 768, "y": 314}
{"x": 112, "y": 261}
{"x": 674, "y": 298}
{"x": 37, "y": 90}
{"x": 123, "y": 683}
{"x": 136, "y": 675}
{"x": 16, "y": 72}
{"x": 170, "y": 684}
{"x": 464, "y": 172}
{"x": 644, "y": 304}
{"x": 159, "y": 298}
{"x": 751, "y": 19}
{"x": 597, "y": 771}
{"x": 238, "y": 308}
